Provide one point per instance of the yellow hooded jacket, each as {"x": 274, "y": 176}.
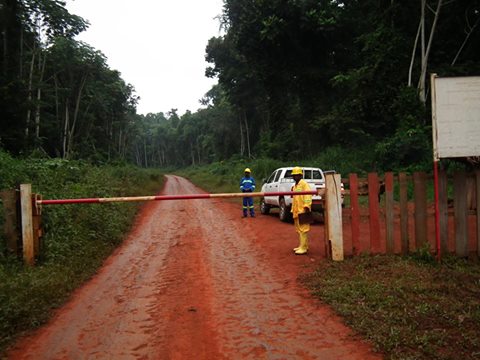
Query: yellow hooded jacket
{"x": 301, "y": 201}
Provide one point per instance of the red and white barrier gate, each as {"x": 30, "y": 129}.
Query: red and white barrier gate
{"x": 174, "y": 197}
{"x": 31, "y": 206}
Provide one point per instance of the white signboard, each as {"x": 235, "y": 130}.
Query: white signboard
{"x": 456, "y": 116}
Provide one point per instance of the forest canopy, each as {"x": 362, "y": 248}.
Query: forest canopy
{"x": 294, "y": 78}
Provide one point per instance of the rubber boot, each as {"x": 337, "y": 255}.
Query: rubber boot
{"x": 305, "y": 236}
{"x": 303, "y": 245}
{"x": 295, "y": 249}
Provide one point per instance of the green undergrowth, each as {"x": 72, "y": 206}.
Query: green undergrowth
{"x": 224, "y": 176}
{"x": 77, "y": 237}
{"x": 408, "y": 308}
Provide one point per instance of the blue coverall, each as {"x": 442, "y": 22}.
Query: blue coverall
{"x": 247, "y": 184}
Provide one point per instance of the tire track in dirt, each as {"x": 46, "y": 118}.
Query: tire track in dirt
{"x": 194, "y": 281}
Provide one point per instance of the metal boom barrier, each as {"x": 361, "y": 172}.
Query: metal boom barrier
{"x": 40, "y": 202}
{"x": 31, "y": 208}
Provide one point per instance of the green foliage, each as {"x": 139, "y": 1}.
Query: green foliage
{"x": 77, "y": 237}
{"x": 408, "y": 150}
{"x": 295, "y": 79}
{"x": 345, "y": 160}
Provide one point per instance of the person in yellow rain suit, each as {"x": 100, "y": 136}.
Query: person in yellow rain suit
{"x": 301, "y": 204}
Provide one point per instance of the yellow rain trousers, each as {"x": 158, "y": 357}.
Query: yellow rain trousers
{"x": 300, "y": 202}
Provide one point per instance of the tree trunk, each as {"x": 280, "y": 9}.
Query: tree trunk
{"x": 29, "y": 94}
{"x": 20, "y": 71}
{"x": 192, "y": 153}
{"x": 421, "y": 84}
{"x": 137, "y": 155}
{"x": 145, "y": 152}
{"x": 39, "y": 97}
{"x": 423, "y": 74}
{"x": 247, "y": 133}
{"x": 5, "y": 50}
{"x": 71, "y": 131}
{"x": 199, "y": 151}
{"x": 412, "y": 60}
{"x": 120, "y": 142}
{"x": 242, "y": 141}
{"x": 65, "y": 131}
{"x": 470, "y": 31}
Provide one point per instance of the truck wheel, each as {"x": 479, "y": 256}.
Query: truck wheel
{"x": 284, "y": 213}
{"x": 264, "y": 208}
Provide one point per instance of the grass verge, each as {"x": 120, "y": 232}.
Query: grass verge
{"x": 409, "y": 308}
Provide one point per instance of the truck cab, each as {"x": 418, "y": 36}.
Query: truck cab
{"x": 281, "y": 180}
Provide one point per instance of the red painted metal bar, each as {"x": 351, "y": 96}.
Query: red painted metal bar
{"x": 174, "y": 197}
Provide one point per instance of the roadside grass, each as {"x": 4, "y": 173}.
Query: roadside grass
{"x": 407, "y": 307}
{"x": 77, "y": 238}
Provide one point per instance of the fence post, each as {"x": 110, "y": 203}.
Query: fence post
{"x": 389, "y": 212}
{"x": 27, "y": 224}
{"x": 37, "y": 224}
{"x": 419, "y": 188}
{"x": 373, "y": 208}
{"x": 334, "y": 215}
{"x": 355, "y": 213}
{"x": 404, "y": 213}
{"x": 461, "y": 213}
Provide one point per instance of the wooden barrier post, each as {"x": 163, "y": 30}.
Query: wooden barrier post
{"x": 389, "y": 212}
{"x": 36, "y": 224}
{"x": 27, "y": 224}
{"x": 355, "y": 214}
{"x": 404, "y": 239}
{"x": 334, "y": 216}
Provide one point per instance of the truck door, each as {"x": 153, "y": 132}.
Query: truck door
{"x": 272, "y": 186}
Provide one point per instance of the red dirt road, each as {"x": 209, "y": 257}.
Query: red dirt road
{"x": 196, "y": 281}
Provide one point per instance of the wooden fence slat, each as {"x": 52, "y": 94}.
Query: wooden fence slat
{"x": 404, "y": 239}
{"x": 389, "y": 212}
{"x": 461, "y": 213}
{"x": 355, "y": 214}
{"x": 374, "y": 211}
{"x": 420, "y": 193}
{"x": 477, "y": 175}
{"x": 443, "y": 210}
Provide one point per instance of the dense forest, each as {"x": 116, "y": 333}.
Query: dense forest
{"x": 294, "y": 77}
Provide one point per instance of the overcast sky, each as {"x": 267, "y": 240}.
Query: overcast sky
{"x": 157, "y": 45}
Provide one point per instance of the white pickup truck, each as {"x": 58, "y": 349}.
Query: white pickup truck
{"x": 281, "y": 180}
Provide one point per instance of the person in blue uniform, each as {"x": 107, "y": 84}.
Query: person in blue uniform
{"x": 247, "y": 184}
